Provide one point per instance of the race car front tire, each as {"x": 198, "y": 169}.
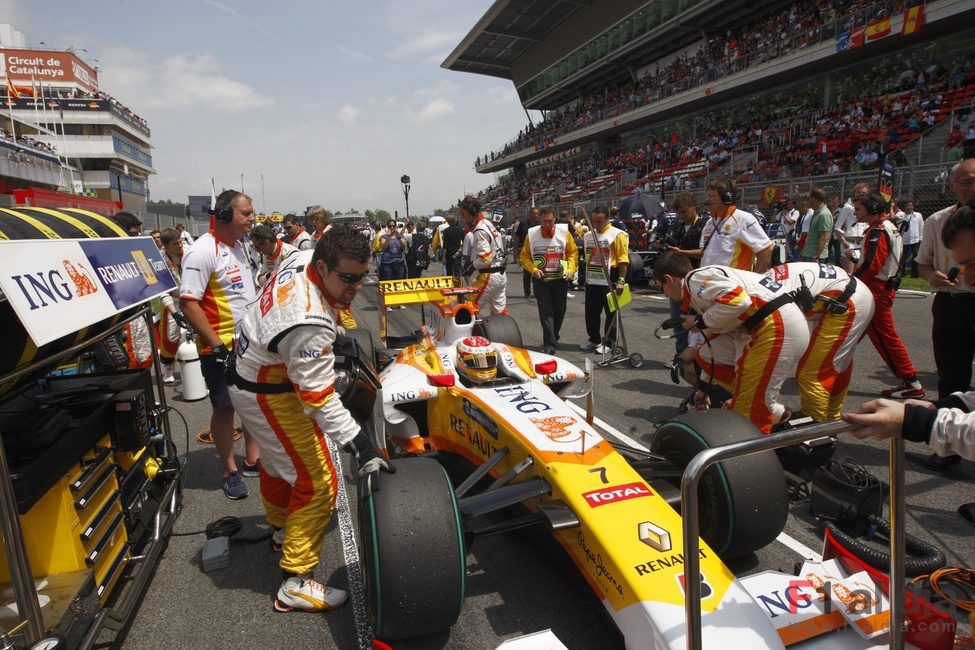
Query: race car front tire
{"x": 743, "y": 501}
{"x": 413, "y": 552}
{"x": 500, "y": 328}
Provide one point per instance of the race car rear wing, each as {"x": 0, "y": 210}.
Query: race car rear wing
{"x": 438, "y": 291}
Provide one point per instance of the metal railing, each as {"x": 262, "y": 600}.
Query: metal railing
{"x": 690, "y": 514}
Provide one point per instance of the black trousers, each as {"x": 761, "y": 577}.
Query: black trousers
{"x": 953, "y": 335}
{"x": 526, "y": 282}
{"x": 596, "y": 305}
{"x": 550, "y": 296}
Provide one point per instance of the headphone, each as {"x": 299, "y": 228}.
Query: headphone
{"x": 224, "y": 212}
{"x": 874, "y": 203}
{"x": 727, "y": 194}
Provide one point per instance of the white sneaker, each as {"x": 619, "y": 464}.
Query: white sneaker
{"x": 570, "y": 295}
{"x": 303, "y": 593}
{"x": 167, "y": 373}
{"x": 602, "y": 349}
{"x": 588, "y": 345}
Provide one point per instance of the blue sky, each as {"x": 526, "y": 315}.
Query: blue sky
{"x": 332, "y": 101}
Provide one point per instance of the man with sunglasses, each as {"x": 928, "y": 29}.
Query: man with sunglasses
{"x": 282, "y": 383}
{"x": 295, "y": 234}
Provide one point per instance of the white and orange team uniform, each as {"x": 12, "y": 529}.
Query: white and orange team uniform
{"x": 615, "y": 246}
{"x": 284, "y": 351}
{"x": 167, "y": 330}
{"x": 318, "y": 234}
{"x": 764, "y": 356}
{"x": 825, "y": 368}
{"x": 270, "y": 263}
{"x": 488, "y": 258}
{"x": 733, "y": 239}
{"x": 302, "y": 241}
{"x": 215, "y": 273}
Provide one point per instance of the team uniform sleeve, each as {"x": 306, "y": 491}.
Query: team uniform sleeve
{"x": 727, "y": 301}
{"x": 314, "y": 379}
{"x": 198, "y": 266}
{"x": 525, "y": 257}
{"x": 751, "y": 234}
{"x": 875, "y": 252}
{"x": 571, "y": 256}
{"x": 620, "y": 250}
{"x": 482, "y": 251}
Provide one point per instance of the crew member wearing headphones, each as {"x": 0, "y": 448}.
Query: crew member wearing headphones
{"x": 215, "y": 290}
{"x": 487, "y": 257}
{"x": 762, "y": 334}
{"x": 882, "y": 249}
{"x": 550, "y": 255}
{"x": 732, "y": 237}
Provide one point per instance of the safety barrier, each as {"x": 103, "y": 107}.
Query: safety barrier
{"x": 690, "y": 513}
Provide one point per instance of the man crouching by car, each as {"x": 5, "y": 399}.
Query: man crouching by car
{"x": 282, "y": 384}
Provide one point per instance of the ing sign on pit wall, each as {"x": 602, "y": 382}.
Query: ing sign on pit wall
{"x": 58, "y": 286}
{"x": 20, "y": 66}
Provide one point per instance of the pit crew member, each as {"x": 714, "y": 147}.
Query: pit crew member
{"x": 487, "y": 257}
{"x": 216, "y": 288}
{"x": 295, "y": 234}
{"x": 838, "y": 308}
{"x": 550, "y": 255}
{"x": 763, "y": 334}
{"x": 606, "y": 251}
{"x": 877, "y": 268}
{"x": 283, "y": 386}
{"x": 732, "y": 237}
{"x": 272, "y": 251}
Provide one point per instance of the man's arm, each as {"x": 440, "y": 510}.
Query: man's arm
{"x": 525, "y": 258}
{"x": 571, "y": 256}
{"x": 198, "y": 321}
{"x": 763, "y": 259}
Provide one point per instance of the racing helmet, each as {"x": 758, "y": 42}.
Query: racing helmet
{"x": 477, "y": 359}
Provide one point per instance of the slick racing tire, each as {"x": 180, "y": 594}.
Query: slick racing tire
{"x": 744, "y": 501}
{"x": 413, "y": 553}
{"x": 500, "y": 328}
{"x": 634, "y": 272}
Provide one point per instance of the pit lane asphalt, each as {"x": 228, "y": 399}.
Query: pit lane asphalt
{"x": 521, "y": 582}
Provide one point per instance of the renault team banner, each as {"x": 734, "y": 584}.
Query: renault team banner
{"x": 58, "y": 286}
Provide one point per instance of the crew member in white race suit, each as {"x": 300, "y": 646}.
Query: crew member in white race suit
{"x": 487, "y": 257}
{"x": 282, "y": 385}
{"x": 762, "y": 334}
{"x": 838, "y": 309}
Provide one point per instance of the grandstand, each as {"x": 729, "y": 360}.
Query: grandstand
{"x": 664, "y": 94}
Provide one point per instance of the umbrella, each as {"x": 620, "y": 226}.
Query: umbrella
{"x": 641, "y": 204}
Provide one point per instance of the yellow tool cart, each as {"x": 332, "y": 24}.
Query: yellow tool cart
{"x": 90, "y": 482}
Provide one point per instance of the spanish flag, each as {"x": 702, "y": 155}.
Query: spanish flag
{"x": 12, "y": 91}
{"x": 913, "y": 20}
{"x": 878, "y": 29}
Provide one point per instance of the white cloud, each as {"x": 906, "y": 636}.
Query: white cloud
{"x": 180, "y": 81}
{"x": 351, "y": 55}
{"x": 348, "y": 114}
{"x": 435, "y": 109}
{"x": 424, "y": 44}
{"x": 501, "y": 95}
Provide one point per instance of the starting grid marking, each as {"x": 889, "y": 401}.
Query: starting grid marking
{"x": 783, "y": 538}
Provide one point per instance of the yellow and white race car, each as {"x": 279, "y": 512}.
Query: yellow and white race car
{"x": 463, "y": 395}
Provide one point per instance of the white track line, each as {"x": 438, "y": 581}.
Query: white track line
{"x": 363, "y": 631}
{"x": 785, "y": 539}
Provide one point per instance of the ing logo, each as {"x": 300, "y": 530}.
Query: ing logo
{"x": 84, "y": 285}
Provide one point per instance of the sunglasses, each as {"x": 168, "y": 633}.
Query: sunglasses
{"x": 351, "y": 278}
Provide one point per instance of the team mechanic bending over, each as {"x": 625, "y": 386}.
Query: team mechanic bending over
{"x": 283, "y": 387}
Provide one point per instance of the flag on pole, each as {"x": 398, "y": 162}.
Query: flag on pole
{"x": 35, "y": 90}
{"x": 913, "y": 20}
{"x": 12, "y": 91}
{"x": 878, "y": 29}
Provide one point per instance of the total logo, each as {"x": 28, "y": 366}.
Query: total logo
{"x": 604, "y": 496}
{"x": 44, "y": 288}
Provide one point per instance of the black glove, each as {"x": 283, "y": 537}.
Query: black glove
{"x": 366, "y": 456}
{"x": 221, "y": 354}
{"x": 181, "y": 321}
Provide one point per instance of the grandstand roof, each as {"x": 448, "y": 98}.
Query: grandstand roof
{"x": 505, "y": 31}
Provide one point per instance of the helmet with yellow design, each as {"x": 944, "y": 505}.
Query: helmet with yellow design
{"x": 477, "y": 359}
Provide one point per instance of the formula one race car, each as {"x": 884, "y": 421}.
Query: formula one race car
{"x": 475, "y": 425}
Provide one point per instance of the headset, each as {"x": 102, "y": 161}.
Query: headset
{"x": 728, "y": 193}
{"x": 224, "y": 213}
{"x": 873, "y": 205}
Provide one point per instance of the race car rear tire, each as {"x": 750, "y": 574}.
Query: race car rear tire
{"x": 367, "y": 345}
{"x": 636, "y": 266}
{"x": 500, "y": 328}
{"x": 744, "y": 501}
{"x": 413, "y": 553}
